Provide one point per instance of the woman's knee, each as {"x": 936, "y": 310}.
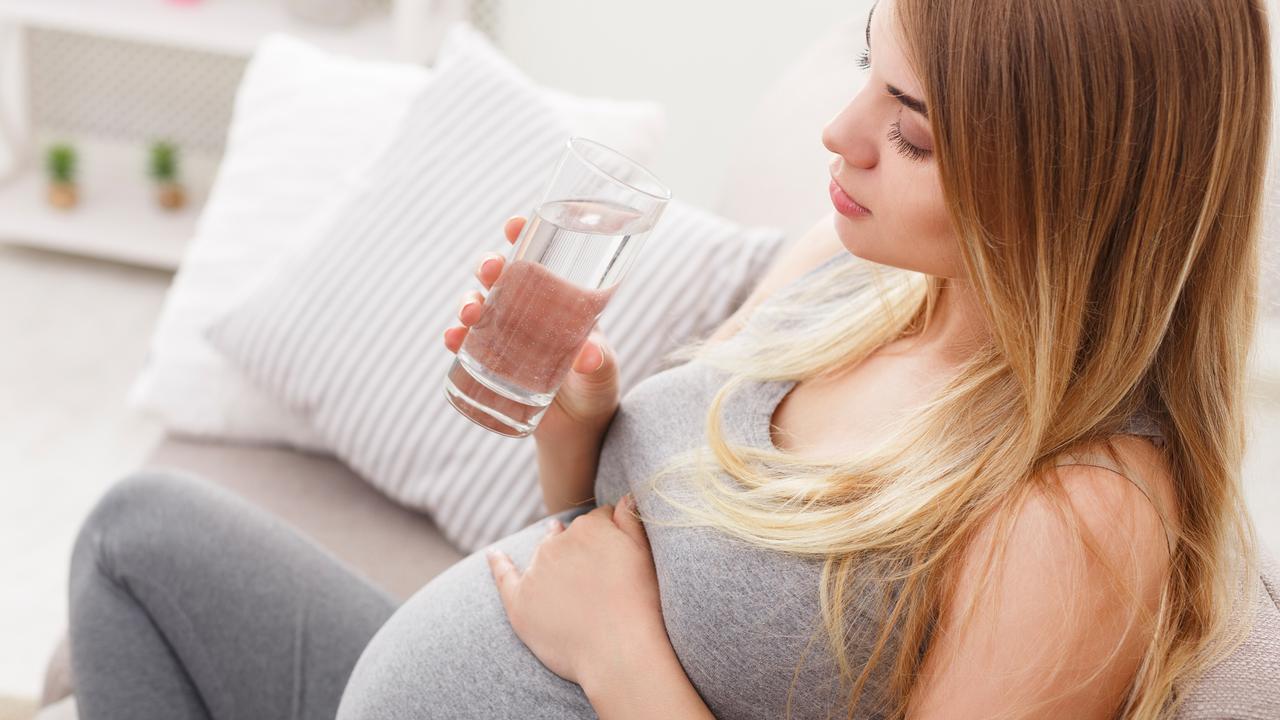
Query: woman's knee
{"x": 138, "y": 515}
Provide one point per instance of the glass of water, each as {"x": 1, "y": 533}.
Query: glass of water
{"x": 570, "y": 257}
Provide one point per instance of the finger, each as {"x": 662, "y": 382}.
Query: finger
{"x": 471, "y": 309}
{"x": 590, "y": 359}
{"x": 453, "y": 338}
{"x": 490, "y": 269}
{"x": 622, "y": 510}
{"x": 505, "y": 575}
{"x": 627, "y": 518}
{"x": 553, "y": 527}
{"x": 512, "y": 228}
{"x": 595, "y": 359}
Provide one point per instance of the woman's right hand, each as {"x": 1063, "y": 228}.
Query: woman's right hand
{"x": 588, "y": 398}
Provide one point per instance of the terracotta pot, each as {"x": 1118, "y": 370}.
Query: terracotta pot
{"x": 170, "y": 195}
{"x": 62, "y": 195}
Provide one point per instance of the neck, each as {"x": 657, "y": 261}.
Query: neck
{"x": 957, "y": 328}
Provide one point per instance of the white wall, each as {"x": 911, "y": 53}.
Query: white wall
{"x": 1271, "y": 228}
{"x": 707, "y": 61}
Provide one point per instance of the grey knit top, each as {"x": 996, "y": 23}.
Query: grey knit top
{"x": 739, "y": 617}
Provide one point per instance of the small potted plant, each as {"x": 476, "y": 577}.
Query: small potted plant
{"x": 164, "y": 171}
{"x": 60, "y": 164}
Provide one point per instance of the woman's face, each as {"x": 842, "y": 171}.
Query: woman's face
{"x": 884, "y": 163}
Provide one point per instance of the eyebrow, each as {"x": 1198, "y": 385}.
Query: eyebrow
{"x": 911, "y": 103}
{"x": 907, "y": 100}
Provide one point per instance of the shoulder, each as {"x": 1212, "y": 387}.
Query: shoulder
{"x": 796, "y": 258}
{"x": 1036, "y": 616}
{"x": 1128, "y": 501}
{"x": 1084, "y": 518}
{"x": 1103, "y": 514}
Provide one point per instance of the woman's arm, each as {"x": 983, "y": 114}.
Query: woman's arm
{"x": 645, "y": 681}
{"x": 1051, "y": 607}
{"x": 567, "y": 469}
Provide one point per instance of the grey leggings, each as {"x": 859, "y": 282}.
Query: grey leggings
{"x": 188, "y": 602}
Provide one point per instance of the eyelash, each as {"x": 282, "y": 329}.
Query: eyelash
{"x": 911, "y": 152}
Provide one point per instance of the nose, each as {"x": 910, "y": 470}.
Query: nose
{"x": 849, "y": 134}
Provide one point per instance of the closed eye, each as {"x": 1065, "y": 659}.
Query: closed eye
{"x": 904, "y": 146}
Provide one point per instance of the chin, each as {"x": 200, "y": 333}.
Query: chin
{"x": 858, "y": 238}
{"x": 901, "y": 248}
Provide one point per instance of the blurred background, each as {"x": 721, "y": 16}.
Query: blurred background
{"x": 114, "y": 115}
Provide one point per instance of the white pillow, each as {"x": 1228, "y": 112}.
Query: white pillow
{"x": 304, "y": 122}
{"x": 635, "y": 128}
{"x": 349, "y": 330}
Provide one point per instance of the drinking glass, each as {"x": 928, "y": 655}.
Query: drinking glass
{"x": 572, "y": 254}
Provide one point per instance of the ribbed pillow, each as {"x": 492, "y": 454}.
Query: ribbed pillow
{"x": 348, "y": 329}
{"x": 306, "y": 120}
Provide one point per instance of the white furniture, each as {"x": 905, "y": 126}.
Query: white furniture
{"x": 112, "y": 76}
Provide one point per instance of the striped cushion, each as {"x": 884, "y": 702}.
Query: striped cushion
{"x": 348, "y": 330}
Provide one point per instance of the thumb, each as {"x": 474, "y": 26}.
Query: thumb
{"x": 595, "y": 361}
{"x": 627, "y": 518}
{"x": 506, "y": 576}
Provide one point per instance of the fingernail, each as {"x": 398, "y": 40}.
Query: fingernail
{"x": 489, "y": 265}
{"x": 467, "y": 308}
{"x": 599, "y": 365}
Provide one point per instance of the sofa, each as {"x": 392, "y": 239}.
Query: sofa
{"x": 779, "y": 182}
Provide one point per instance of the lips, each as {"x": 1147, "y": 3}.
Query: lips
{"x": 844, "y": 204}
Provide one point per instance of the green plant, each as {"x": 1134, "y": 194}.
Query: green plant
{"x": 164, "y": 161}
{"x": 60, "y": 162}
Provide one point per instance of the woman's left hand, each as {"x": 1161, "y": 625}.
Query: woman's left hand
{"x": 588, "y": 601}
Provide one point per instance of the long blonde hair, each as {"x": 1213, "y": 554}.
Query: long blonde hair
{"x": 1103, "y": 164}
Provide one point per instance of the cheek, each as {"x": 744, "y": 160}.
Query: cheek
{"x": 925, "y": 218}
{"x": 911, "y": 228}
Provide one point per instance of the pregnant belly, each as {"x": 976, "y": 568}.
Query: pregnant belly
{"x": 449, "y": 652}
{"x": 738, "y": 618}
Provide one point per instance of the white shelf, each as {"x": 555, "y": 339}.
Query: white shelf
{"x": 116, "y": 217}
{"x": 230, "y": 27}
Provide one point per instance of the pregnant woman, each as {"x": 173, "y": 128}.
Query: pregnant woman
{"x": 972, "y": 448}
